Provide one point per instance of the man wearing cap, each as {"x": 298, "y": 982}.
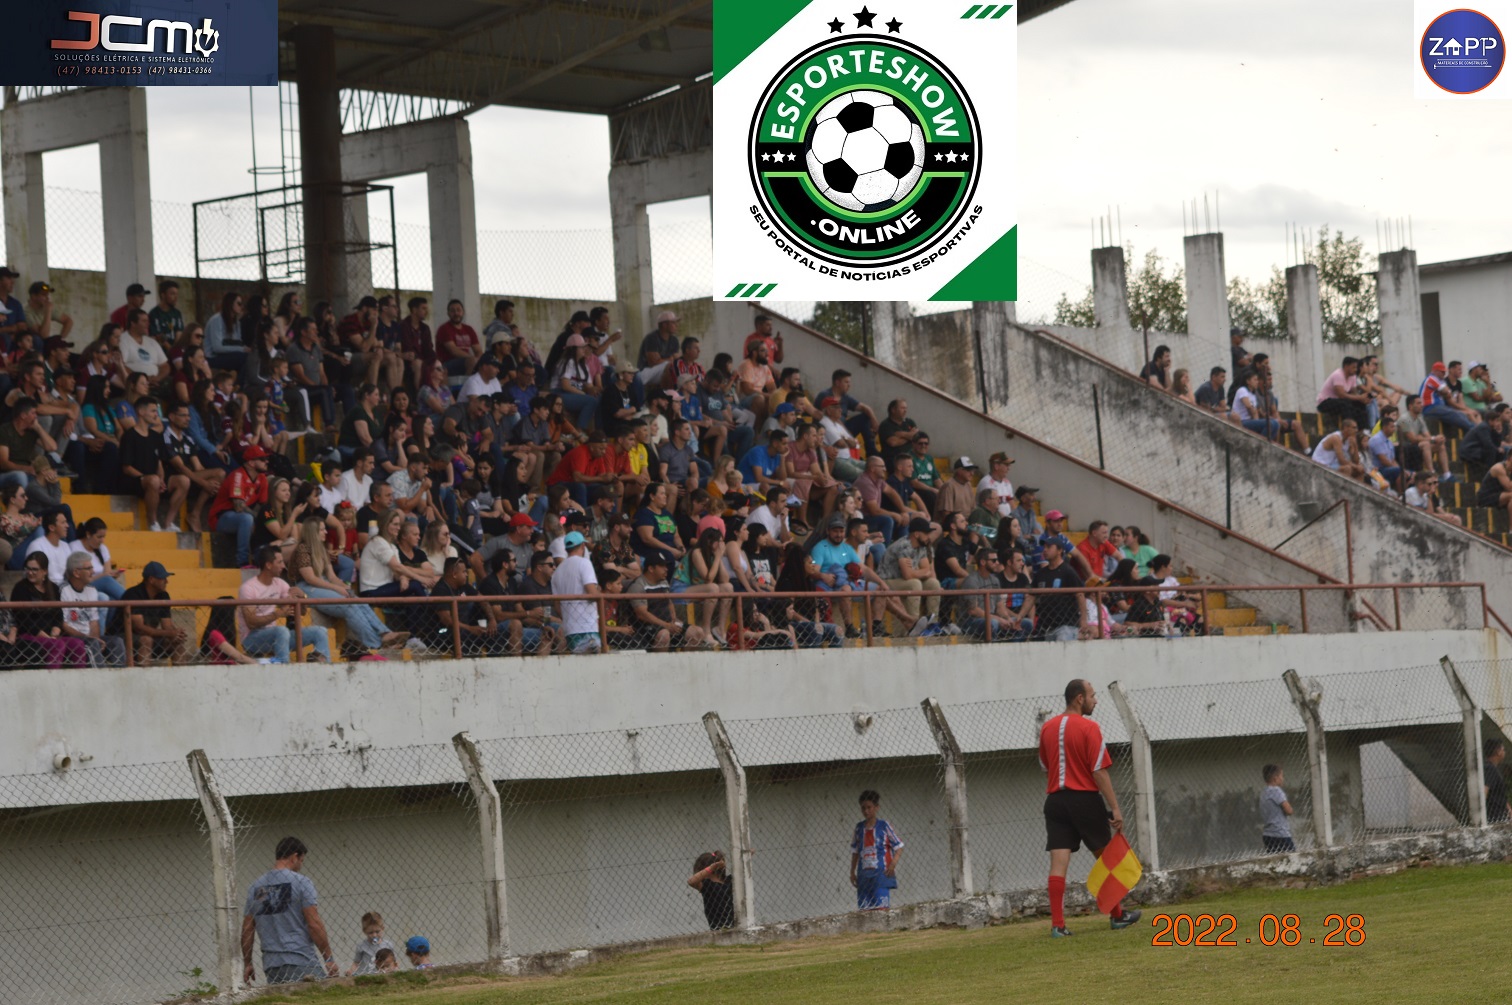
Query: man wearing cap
{"x": 418, "y": 950}
{"x": 12, "y": 315}
{"x": 1062, "y": 616}
{"x": 574, "y": 576}
{"x": 908, "y": 564}
{"x": 1437, "y": 395}
{"x": 136, "y": 297}
{"x": 140, "y": 351}
{"x": 243, "y": 489}
{"x": 55, "y": 353}
{"x": 457, "y": 344}
{"x": 1055, "y": 530}
{"x": 999, "y": 466}
{"x": 1476, "y": 388}
{"x": 658, "y": 348}
{"x": 784, "y": 420}
{"x": 281, "y": 913}
{"x": 154, "y": 633}
{"x": 40, "y": 315}
{"x": 517, "y": 541}
{"x": 485, "y": 381}
{"x": 956, "y": 495}
{"x": 165, "y": 320}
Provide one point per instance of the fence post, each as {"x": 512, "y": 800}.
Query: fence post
{"x": 955, "y": 797}
{"x": 228, "y": 961}
{"x": 1144, "y": 776}
{"x": 491, "y": 830}
{"x": 1475, "y": 766}
{"x": 739, "y": 808}
{"x": 1317, "y": 757}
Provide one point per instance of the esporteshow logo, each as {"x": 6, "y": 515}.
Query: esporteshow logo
{"x": 865, "y": 147}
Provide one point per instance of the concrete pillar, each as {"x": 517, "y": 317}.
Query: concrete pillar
{"x": 1317, "y": 758}
{"x": 1146, "y": 838}
{"x": 442, "y": 150}
{"x": 1207, "y": 292}
{"x": 116, "y": 119}
{"x": 491, "y": 834}
{"x": 989, "y": 323}
{"x": 1475, "y": 765}
{"x": 228, "y": 906}
{"x": 1401, "y": 318}
{"x": 954, "y": 765}
{"x": 1304, "y": 323}
{"x": 886, "y": 316}
{"x": 359, "y": 264}
{"x": 1110, "y": 288}
{"x": 738, "y": 807}
{"x": 320, "y": 145}
{"x": 632, "y": 188}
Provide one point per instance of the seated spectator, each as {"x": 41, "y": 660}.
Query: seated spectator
{"x": 540, "y": 618}
{"x": 261, "y": 627}
{"x": 584, "y": 465}
{"x": 1439, "y": 401}
{"x": 53, "y": 543}
{"x": 1055, "y": 530}
{"x": 1476, "y": 389}
{"x": 999, "y": 465}
{"x": 764, "y": 334}
{"x": 901, "y": 482}
{"x": 1181, "y": 386}
{"x": 1418, "y": 449}
{"x": 1496, "y": 489}
{"x": 154, "y": 633}
{"x": 750, "y": 629}
{"x": 761, "y": 467}
{"x": 1210, "y": 395}
{"x": 908, "y": 564}
{"x": 484, "y": 381}
{"x": 1484, "y": 445}
{"x": 86, "y": 622}
{"x": 1139, "y": 610}
{"x": 725, "y": 414}
{"x": 1098, "y": 552}
{"x": 657, "y": 625}
{"x": 1156, "y": 372}
{"x": 143, "y": 470}
{"x": 1137, "y": 547}
{"x": 926, "y": 476}
{"x": 311, "y": 569}
{"x": 655, "y": 528}
{"x": 658, "y": 349}
{"x": 953, "y": 549}
{"x": 1423, "y": 495}
{"x": 439, "y": 629}
{"x": 1061, "y": 617}
{"x": 24, "y": 457}
{"x": 1341, "y": 396}
{"x": 897, "y": 430}
{"x": 1383, "y": 452}
{"x": 983, "y": 520}
{"x": 42, "y": 313}
{"x": 986, "y": 616}
{"x": 686, "y": 366}
{"x": 42, "y": 627}
{"x": 1248, "y": 410}
{"x": 457, "y": 343}
{"x": 859, "y": 419}
{"x": 1340, "y": 451}
{"x": 136, "y": 298}
{"x": 307, "y": 372}
{"x": 754, "y": 383}
{"x": 957, "y": 495}
{"x": 1184, "y": 612}
{"x": 1371, "y": 382}
{"x": 804, "y": 617}
{"x": 380, "y": 573}
{"x": 773, "y": 515}
{"x": 880, "y": 504}
{"x": 242, "y": 491}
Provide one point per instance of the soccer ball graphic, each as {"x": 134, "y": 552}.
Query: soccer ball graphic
{"x": 865, "y": 151}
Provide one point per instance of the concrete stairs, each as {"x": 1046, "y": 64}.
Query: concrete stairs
{"x": 132, "y": 546}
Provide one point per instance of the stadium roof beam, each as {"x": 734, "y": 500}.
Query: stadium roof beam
{"x": 484, "y": 59}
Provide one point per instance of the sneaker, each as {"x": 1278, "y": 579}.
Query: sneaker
{"x": 1447, "y": 477}
{"x": 1124, "y": 920}
{"x": 173, "y": 528}
{"x": 155, "y": 527}
{"x": 919, "y": 627}
{"x": 1059, "y": 932}
{"x": 64, "y": 471}
{"x": 877, "y": 630}
{"x": 415, "y": 645}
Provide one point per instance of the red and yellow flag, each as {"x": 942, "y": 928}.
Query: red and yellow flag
{"x": 1114, "y": 874}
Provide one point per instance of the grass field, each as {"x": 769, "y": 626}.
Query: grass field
{"x": 1431, "y": 935}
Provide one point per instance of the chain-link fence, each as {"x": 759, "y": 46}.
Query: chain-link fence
{"x": 591, "y": 839}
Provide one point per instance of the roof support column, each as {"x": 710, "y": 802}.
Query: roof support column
{"x": 320, "y": 165}
{"x": 632, "y": 189}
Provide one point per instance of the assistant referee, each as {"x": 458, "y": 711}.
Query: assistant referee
{"x": 1076, "y": 761}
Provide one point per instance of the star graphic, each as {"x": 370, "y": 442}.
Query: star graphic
{"x": 951, "y": 157}
{"x": 864, "y": 17}
{"x": 965, "y": 157}
{"x": 836, "y": 26}
{"x": 894, "y": 25}
{"x": 939, "y": 156}
{"x": 766, "y": 157}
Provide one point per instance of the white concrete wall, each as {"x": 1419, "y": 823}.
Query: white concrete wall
{"x": 1475, "y": 312}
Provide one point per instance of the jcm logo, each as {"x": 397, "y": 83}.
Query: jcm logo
{"x": 105, "y": 32}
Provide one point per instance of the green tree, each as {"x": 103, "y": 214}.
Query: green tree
{"x": 1259, "y": 308}
{"x": 841, "y": 320}
{"x": 1346, "y": 294}
{"x": 1157, "y": 300}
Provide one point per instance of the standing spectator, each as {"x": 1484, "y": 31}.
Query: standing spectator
{"x": 1340, "y": 451}
{"x": 957, "y": 495}
{"x": 42, "y": 627}
{"x": 86, "y": 622}
{"x": 714, "y": 886}
{"x": 1062, "y": 616}
{"x": 1420, "y": 449}
{"x": 1238, "y": 355}
{"x": 1274, "y": 809}
{"x": 999, "y": 465}
{"x": 243, "y": 490}
{"x": 144, "y": 457}
{"x": 136, "y": 297}
{"x": 457, "y": 344}
{"x": 1498, "y": 810}
{"x": 1341, "y": 396}
{"x": 574, "y": 576}
{"x": 1210, "y": 395}
{"x": 875, "y": 850}
{"x": 165, "y": 321}
{"x": 765, "y": 335}
{"x": 41, "y": 314}
{"x": 154, "y": 633}
{"x": 908, "y": 564}
{"x": 416, "y": 349}
{"x": 140, "y": 351}
{"x": 1081, "y": 806}
{"x": 1156, "y": 372}
{"x": 754, "y": 382}
{"x": 1438, "y": 398}
{"x": 658, "y": 349}
{"x": 281, "y": 912}
{"x": 262, "y": 628}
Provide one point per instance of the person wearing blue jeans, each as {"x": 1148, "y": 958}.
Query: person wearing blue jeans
{"x": 320, "y": 579}
{"x": 263, "y": 632}
{"x": 243, "y": 489}
{"x": 283, "y": 915}
{"x": 575, "y": 385}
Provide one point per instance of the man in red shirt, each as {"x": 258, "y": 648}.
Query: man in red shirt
{"x": 244, "y": 488}
{"x": 1095, "y": 549}
{"x": 763, "y": 334}
{"x": 1076, "y": 762}
{"x": 457, "y": 345}
{"x": 585, "y": 464}
{"x": 136, "y": 296}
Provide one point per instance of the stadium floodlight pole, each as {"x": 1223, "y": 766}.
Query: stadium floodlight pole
{"x": 491, "y": 832}
{"x": 955, "y": 797}
{"x": 218, "y": 820}
{"x": 1144, "y": 778}
{"x": 1317, "y": 757}
{"x": 738, "y": 805}
{"x": 1475, "y": 765}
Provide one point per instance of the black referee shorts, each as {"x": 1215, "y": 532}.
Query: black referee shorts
{"x": 1075, "y": 818}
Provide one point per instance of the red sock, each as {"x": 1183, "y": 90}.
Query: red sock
{"x": 1058, "y": 901}
{"x": 1117, "y": 911}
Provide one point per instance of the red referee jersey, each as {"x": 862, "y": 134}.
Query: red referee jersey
{"x": 1071, "y": 747}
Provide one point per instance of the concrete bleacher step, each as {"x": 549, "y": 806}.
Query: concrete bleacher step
{"x": 1231, "y": 617}
{"x": 1278, "y": 629}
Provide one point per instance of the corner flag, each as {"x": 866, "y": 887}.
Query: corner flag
{"x": 1114, "y": 874}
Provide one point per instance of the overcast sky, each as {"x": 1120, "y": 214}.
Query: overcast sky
{"x": 1291, "y": 111}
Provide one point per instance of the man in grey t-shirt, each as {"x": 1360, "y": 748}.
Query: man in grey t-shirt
{"x": 281, "y": 913}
